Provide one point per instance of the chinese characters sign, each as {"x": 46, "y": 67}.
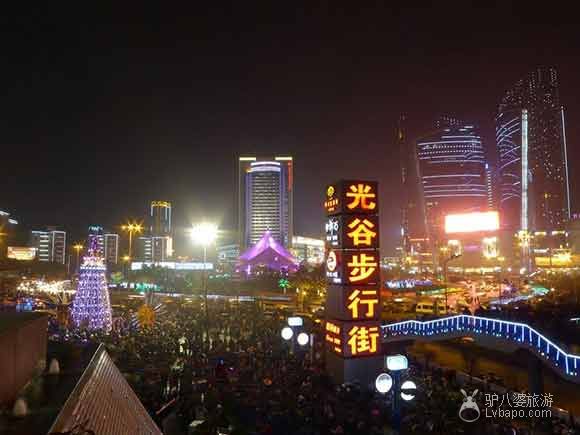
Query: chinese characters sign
{"x": 353, "y": 268}
{"x": 352, "y": 232}
{"x": 353, "y": 339}
{"x": 353, "y": 302}
{"x": 352, "y": 196}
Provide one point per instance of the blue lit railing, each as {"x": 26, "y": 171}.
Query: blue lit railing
{"x": 518, "y": 333}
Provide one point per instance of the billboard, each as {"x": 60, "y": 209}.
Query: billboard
{"x": 22, "y": 253}
{"x": 472, "y": 222}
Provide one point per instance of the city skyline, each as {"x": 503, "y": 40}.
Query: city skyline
{"x": 157, "y": 133}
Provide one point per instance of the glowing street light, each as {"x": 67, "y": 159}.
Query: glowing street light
{"x": 384, "y": 383}
{"x": 132, "y": 227}
{"x": 204, "y": 234}
{"x": 78, "y": 248}
{"x": 287, "y": 333}
{"x": 303, "y": 339}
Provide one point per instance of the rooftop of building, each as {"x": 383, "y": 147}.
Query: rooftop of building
{"x": 89, "y": 390}
{"x": 15, "y": 320}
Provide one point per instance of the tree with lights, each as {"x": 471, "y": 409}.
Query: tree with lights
{"x": 91, "y": 305}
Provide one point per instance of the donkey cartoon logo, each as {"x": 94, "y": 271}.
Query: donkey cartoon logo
{"x": 469, "y": 411}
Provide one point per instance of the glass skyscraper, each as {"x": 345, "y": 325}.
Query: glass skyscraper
{"x": 265, "y": 197}
{"x": 531, "y": 143}
{"x": 452, "y": 170}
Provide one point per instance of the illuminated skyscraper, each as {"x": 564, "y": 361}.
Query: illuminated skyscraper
{"x": 412, "y": 214}
{"x": 533, "y": 167}
{"x": 160, "y": 218}
{"x": 50, "y": 245}
{"x": 452, "y": 170}
{"x": 161, "y": 240}
{"x": 265, "y": 199}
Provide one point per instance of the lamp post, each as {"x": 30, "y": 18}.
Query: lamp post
{"x": 204, "y": 234}
{"x": 78, "y": 248}
{"x": 131, "y": 228}
{"x": 447, "y": 260}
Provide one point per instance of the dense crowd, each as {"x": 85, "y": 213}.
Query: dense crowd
{"x": 242, "y": 378}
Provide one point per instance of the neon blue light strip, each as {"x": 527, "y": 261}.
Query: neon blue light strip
{"x": 518, "y": 332}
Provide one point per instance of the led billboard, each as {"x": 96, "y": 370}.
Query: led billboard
{"x": 472, "y": 222}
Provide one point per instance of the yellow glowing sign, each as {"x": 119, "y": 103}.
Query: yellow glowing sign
{"x": 363, "y": 299}
{"x": 362, "y": 233}
{"x": 362, "y": 197}
{"x": 363, "y": 340}
{"x": 332, "y": 336}
{"x": 362, "y": 267}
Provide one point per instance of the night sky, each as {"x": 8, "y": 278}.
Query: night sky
{"x": 104, "y": 110}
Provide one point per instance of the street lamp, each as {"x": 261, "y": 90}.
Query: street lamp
{"x": 447, "y": 260}
{"x": 132, "y": 227}
{"x": 78, "y": 248}
{"x": 204, "y": 234}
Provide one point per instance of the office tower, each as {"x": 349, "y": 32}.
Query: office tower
{"x": 96, "y": 239}
{"x": 265, "y": 199}
{"x": 50, "y": 245}
{"x": 490, "y": 186}
{"x": 452, "y": 172}
{"x": 412, "y": 214}
{"x": 161, "y": 235}
{"x": 533, "y": 166}
{"x": 160, "y": 218}
{"x": 111, "y": 242}
{"x": 144, "y": 249}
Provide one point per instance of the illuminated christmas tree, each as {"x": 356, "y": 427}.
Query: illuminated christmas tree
{"x": 91, "y": 305}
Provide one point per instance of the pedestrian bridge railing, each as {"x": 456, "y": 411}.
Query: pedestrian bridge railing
{"x": 518, "y": 334}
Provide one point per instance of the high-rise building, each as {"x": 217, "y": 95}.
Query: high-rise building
{"x": 111, "y": 242}
{"x": 50, "y": 245}
{"x": 412, "y": 214}
{"x": 452, "y": 172}
{"x": 96, "y": 239}
{"x": 161, "y": 235}
{"x": 265, "y": 199}
{"x": 144, "y": 248}
{"x": 490, "y": 186}
{"x": 160, "y": 218}
{"x": 533, "y": 166}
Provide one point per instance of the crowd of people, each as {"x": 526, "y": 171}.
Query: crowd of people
{"x": 238, "y": 376}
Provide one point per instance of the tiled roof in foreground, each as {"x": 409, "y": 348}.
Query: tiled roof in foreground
{"x": 103, "y": 401}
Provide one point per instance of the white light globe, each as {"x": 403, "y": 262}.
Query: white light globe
{"x": 303, "y": 339}
{"x": 287, "y": 333}
{"x": 384, "y": 383}
{"x": 408, "y": 390}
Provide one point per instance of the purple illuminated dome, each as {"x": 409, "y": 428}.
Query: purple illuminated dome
{"x": 269, "y": 254}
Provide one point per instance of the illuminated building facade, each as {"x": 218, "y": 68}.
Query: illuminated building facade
{"x": 531, "y": 142}
{"x": 7, "y": 231}
{"x": 265, "y": 199}
{"x": 160, "y": 218}
{"x": 412, "y": 213}
{"x": 308, "y": 250}
{"x": 452, "y": 172}
{"x": 111, "y": 242}
{"x": 50, "y": 245}
{"x": 161, "y": 233}
{"x": 106, "y": 244}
